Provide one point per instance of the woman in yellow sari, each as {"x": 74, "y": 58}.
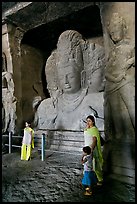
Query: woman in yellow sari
{"x": 92, "y": 139}
{"x": 27, "y": 142}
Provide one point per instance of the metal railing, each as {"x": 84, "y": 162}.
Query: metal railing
{"x": 10, "y": 145}
{"x": 43, "y": 139}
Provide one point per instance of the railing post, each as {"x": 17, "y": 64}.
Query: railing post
{"x": 10, "y": 142}
{"x": 43, "y": 147}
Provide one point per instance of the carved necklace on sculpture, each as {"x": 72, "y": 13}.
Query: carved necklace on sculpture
{"x": 70, "y": 104}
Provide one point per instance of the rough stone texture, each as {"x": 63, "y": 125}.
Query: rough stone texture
{"x": 57, "y": 179}
{"x": 119, "y": 97}
{"x": 42, "y": 36}
{"x": 88, "y": 59}
{"x": 120, "y": 79}
{"x": 6, "y": 50}
{"x": 45, "y": 12}
{"x": 75, "y": 77}
{"x": 32, "y": 91}
{"x": 18, "y": 68}
{"x": 8, "y": 87}
{"x": 87, "y": 22}
{"x": 8, "y": 103}
{"x": 14, "y": 40}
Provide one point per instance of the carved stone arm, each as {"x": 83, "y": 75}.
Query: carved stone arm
{"x": 111, "y": 78}
{"x": 130, "y": 62}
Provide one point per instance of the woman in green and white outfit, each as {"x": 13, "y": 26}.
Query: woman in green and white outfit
{"x": 92, "y": 139}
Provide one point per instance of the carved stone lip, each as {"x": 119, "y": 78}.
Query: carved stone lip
{"x": 67, "y": 86}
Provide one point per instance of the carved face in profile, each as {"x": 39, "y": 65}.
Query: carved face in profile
{"x": 69, "y": 78}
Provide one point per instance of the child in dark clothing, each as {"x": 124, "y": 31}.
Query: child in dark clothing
{"x": 89, "y": 177}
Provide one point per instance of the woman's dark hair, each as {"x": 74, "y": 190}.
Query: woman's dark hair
{"x": 91, "y": 117}
{"x": 87, "y": 149}
{"x": 29, "y": 122}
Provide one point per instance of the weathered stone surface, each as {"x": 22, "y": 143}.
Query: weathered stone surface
{"x": 78, "y": 58}
{"x": 8, "y": 103}
{"x": 43, "y": 30}
{"x": 31, "y": 63}
{"x": 57, "y": 179}
{"x": 74, "y": 75}
{"x": 119, "y": 97}
{"x": 45, "y": 12}
{"x": 120, "y": 79}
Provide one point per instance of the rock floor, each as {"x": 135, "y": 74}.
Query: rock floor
{"x": 56, "y": 179}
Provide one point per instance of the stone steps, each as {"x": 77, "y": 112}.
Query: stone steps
{"x": 62, "y": 141}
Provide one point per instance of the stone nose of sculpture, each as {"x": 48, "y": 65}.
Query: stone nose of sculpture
{"x": 67, "y": 85}
{"x": 66, "y": 79}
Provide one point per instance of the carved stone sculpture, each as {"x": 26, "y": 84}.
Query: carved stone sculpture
{"x": 120, "y": 81}
{"x": 8, "y": 103}
{"x": 4, "y": 62}
{"x": 72, "y": 98}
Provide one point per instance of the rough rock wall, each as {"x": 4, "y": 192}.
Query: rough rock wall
{"x": 22, "y": 14}
{"x": 22, "y": 67}
{"x": 32, "y": 88}
{"x": 123, "y": 143}
{"x": 15, "y": 36}
{"x": 8, "y": 96}
{"x": 19, "y": 19}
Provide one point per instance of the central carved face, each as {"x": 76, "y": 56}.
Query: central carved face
{"x": 69, "y": 79}
{"x": 69, "y": 62}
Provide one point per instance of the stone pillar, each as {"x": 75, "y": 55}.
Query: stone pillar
{"x": 118, "y": 22}
{"x": 9, "y": 100}
{"x": 15, "y": 37}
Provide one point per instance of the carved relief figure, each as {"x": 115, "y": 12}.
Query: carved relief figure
{"x": 4, "y": 62}
{"x": 8, "y": 103}
{"x": 51, "y": 76}
{"x": 8, "y": 98}
{"x": 72, "y": 100}
{"x": 120, "y": 80}
{"x": 94, "y": 65}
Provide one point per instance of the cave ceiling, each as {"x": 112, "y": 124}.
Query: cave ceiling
{"x": 42, "y": 29}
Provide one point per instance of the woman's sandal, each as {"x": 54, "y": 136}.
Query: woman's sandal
{"x": 88, "y": 193}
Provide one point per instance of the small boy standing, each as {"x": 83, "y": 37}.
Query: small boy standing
{"x": 89, "y": 177}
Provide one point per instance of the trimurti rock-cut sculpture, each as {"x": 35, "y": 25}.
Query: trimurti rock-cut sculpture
{"x": 75, "y": 80}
